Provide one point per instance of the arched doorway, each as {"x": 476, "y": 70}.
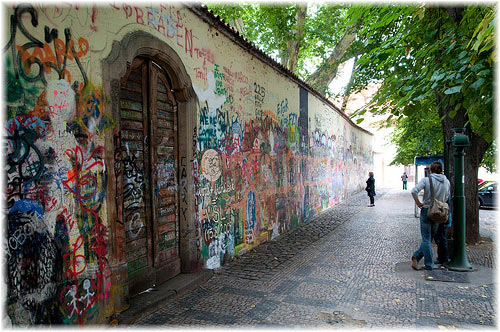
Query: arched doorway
{"x": 149, "y": 148}
{"x": 135, "y": 53}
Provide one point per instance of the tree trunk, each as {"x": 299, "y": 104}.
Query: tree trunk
{"x": 322, "y": 77}
{"x": 446, "y": 125}
{"x": 290, "y": 55}
{"x": 456, "y": 12}
{"x": 472, "y": 160}
{"x": 344, "y": 102}
{"x": 473, "y": 154}
{"x": 237, "y": 23}
{"x": 293, "y": 45}
{"x": 473, "y": 157}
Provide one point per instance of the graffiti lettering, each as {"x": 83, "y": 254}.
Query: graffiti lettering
{"x": 206, "y": 55}
{"x": 260, "y": 93}
{"x": 41, "y": 54}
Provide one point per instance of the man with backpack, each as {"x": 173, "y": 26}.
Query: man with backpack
{"x": 428, "y": 228}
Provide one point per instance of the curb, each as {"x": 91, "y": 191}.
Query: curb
{"x": 147, "y": 302}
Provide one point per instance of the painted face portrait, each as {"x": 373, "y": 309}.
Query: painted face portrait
{"x": 210, "y": 165}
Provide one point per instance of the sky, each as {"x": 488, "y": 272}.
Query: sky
{"x": 343, "y": 76}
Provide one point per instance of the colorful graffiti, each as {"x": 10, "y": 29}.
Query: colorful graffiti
{"x": 168, "y": 21}
{"x": 263, "y": 176}
{"x": 55, "y": 189}
{"x": 42, "y": 55}
{"x": 55, "y": 184}
{"x": 133, "y": 194}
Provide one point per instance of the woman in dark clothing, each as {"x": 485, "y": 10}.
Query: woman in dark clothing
{"x": 370, "y": 188}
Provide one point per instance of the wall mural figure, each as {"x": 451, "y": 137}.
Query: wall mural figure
{"x": 55, "y": 176}
{"x": 251, "y": 218}
{"x": 34, "y": 263}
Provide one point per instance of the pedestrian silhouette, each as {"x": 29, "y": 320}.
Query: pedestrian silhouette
{"x": 404, "y": 178}
{"x": 370, "y": 188}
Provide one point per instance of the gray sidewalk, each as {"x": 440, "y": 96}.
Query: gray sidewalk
{"x": 347, "y": 267}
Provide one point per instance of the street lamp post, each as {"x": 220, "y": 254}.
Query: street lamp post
{"x": 459, "y": 261}
{"x": 447, "y": 146}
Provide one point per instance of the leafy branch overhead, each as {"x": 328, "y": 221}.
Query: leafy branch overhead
{"x": 309, "y": 40}
{"x": 432, "y": 54}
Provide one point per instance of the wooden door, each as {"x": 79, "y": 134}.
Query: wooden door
{"x": 165, "y": 175}
{"x": 148, "y": 123}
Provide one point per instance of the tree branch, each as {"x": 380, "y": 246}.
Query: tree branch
{"x": 294, "y": 43}
{"x": 322, "y": 77}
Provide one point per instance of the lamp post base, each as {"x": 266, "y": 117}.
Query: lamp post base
{"x": 459, "y": 268}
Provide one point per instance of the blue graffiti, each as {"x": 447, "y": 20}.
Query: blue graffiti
{"x": 236, "y": 129}
{"x": 27, "y": 205}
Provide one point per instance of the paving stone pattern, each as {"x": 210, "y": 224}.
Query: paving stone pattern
{"x": 339, "y": 269}
{"x": 274, "y": 256}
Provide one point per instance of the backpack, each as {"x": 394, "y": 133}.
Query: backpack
{"x": 438, "y": 212}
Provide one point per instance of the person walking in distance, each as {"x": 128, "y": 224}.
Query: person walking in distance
{"x": 370, "y": 188}
{"x": 404, "y": 178}
{"x": 428, "y": 229}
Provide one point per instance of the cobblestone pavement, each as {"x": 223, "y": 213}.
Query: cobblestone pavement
{"x": 347, "y": 267}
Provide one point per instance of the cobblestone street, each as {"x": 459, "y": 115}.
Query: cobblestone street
{"x": 347, "y": 267}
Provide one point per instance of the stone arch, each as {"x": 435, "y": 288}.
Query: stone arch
{"x": 114, "y": 67}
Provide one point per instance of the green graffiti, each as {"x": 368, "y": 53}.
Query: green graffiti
{"x": 21, "y": 95}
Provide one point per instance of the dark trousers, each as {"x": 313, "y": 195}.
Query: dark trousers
{"x": 404, "y": 185}
{"x": 372, "y": 199}
{"x": 442, "y": 243}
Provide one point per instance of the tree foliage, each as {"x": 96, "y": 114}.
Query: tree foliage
{"x": 312, "y": 48}
{"x": 489, "y": 157}
{"x": 423, "y": 54}
{"x": 417, "y": 136}
{"x": 421, "y": 136}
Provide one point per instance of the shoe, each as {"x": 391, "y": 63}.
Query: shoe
{"x": 414, "y": 263}
{"x": 440, "y": 262}
{"x": 428, "y": 268}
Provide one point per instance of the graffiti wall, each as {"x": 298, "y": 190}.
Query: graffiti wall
{"x": 265, "y": 154}
{"x": 340, "y": 157}
{"x": 263, "y": 169}
{"x": 56, "y": 236}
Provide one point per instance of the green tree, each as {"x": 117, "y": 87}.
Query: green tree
{"x": 439, "y": 59}
{"x": 421, "y": 136}
{"x": 417, "y": 136}
{"x": 489, "y": 157}
{"x": 310, "y": 41}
